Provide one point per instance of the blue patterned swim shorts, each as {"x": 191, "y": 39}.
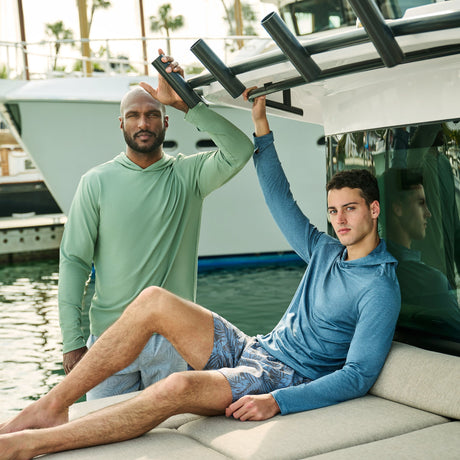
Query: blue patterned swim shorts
{"x": 246, "y": 365}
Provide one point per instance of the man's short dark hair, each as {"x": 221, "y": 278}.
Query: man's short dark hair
{"x": 399, "y": 181}
{"x": 361, "y": 179}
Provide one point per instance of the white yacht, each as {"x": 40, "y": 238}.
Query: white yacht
{"x": 69, "y": 125}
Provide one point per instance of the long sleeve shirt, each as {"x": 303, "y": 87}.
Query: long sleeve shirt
{"x": 140, "y": 227}
{"x": 339, "y": 326}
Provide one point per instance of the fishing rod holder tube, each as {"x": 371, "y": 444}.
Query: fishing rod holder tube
{"x": 291, "y": 47}
{"x": 217, "y": 68}
{"x": 177, "y": 83}
{"x": 379, "y": 32}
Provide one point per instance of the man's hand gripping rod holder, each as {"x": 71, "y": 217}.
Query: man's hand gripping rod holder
{"x": 177, "y": 83}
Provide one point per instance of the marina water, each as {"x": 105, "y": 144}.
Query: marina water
{"x": 30, "y": 339}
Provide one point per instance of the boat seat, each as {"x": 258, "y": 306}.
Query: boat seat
{"x": 412, "y": 411}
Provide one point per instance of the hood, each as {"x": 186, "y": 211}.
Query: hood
{"x": 378, "y": 256}
{"x": 124, "y": 161}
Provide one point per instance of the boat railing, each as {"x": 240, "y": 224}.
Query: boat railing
{"x": 38, "y": 60}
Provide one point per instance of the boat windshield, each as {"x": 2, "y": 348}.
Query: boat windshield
{"x": 308, "y": 16}
{"x": 418, "y": 170}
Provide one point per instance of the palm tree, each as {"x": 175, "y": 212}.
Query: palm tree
{"x": 247, "y": 15}
{"x": 96, "y": 5}
{"x": 58, "y": 32}
{"x": 164, "y": 21}
{"x": 3, "y": 71}
{"x": 231, "y": 28}
{"x": 249, "y": 18}
{"x": 89, "y": 10}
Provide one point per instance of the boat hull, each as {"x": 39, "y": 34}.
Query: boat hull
{"x": 69, "y": 127}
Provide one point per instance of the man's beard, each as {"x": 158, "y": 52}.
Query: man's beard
{"x": 158, "y": 141}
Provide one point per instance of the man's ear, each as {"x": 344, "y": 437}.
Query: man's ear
{"x": 121, "y": 122}
{"x": 375, "y": 209}
{"x": 396, "y": 207}
{"x": 166, "y": 124}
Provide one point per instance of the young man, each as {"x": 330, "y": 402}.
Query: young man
{"x": 137, "y": 218}
{"x": 329, "y": 346}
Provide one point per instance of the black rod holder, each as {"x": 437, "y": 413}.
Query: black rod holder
{"x": 177, "y": 83}
{"x": 291, "y": 47}
{"x": 380, "y": 34}
{"x": 217, "y": 68}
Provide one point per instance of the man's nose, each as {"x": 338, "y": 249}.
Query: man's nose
{"x": 142, "y": 121}
{"x": 341, "y": 218}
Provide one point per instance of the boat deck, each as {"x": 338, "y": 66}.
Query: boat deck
{"x": 30, "y": 236}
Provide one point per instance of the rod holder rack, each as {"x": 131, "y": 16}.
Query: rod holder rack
{"x": 217, "y": 68}
{"x": 379, "y": 32}
{"x": 291, "y": 47}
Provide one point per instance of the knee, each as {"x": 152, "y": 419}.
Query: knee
{"x": 178, "y": 385}
{"x": 152, "y": 294}
{"x": 150, "y": 300}
{"x": 174, "y": 393}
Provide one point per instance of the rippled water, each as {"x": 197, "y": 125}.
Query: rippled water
{"x": 30, "y": 341}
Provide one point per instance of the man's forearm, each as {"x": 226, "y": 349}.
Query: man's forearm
{"x": 231, "y": 141}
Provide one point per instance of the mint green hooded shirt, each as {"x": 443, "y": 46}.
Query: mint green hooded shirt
{"x": 140, "y": 227}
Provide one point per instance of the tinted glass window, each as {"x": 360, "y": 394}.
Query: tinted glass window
{"x": 418, "y": 169}
{"x": 308, "y": 16}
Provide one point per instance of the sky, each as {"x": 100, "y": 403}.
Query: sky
{"x": 203, "y": 19}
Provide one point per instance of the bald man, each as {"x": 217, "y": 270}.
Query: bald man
{"x": 137, "y": 219}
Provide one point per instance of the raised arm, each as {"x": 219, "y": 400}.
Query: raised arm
{"x": 296, "y": 227}
{"x": 234, "y": 147}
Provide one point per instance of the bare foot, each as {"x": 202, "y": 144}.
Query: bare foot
{"x": 14, "y": 447}
{"x": 40, "y": 414}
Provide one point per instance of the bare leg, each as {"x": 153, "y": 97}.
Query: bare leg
{"x": 186, "y": 325}
{"x": 200, "y": 392}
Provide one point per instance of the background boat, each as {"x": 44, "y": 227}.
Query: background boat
{"x": 22, "y": 189}
{"x": 68, "y": 123}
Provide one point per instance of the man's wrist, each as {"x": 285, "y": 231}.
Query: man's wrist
{"x": 181, "y": 105}
{"x": 261, "y": 128}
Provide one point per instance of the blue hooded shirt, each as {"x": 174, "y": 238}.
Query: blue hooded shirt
{"x": 339, "y": 326}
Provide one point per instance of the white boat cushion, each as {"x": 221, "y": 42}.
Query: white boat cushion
{"x": 423, "y": 379}
{"x": 310, "y": 433}
{"x": 439, "y": 441}
{"x": 158, "y": 444}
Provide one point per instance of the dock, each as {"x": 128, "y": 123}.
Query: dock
{"x": 30, "y": 236}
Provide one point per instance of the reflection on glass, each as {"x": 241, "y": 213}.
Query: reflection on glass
{"x": 308, "y": 16}
{"x": 429, "y": 301}
{"x": 418, "y": 171}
